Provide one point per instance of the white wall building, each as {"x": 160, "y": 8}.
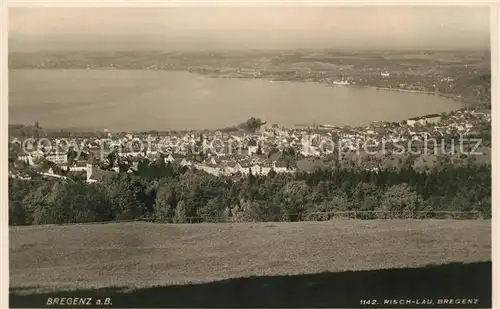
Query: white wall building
{"x": 424, "y": 120}
{"x": 57, "y": 158}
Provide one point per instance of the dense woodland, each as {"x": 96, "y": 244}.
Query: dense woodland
{"x": 169, "y": 193}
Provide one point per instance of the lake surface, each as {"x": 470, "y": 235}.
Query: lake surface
{"x": 157, "y": 100}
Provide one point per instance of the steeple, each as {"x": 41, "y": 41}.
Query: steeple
{"x": 90, "y": 166}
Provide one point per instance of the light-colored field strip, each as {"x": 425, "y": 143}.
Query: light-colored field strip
{"x": 144, "y": 254}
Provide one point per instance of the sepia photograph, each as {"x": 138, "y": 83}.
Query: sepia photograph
{"x": 250, "y": 156}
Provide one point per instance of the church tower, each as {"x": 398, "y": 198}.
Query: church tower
{"x": 90, "y": 167}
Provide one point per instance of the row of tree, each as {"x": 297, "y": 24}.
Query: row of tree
{"x": 176, "y": 194}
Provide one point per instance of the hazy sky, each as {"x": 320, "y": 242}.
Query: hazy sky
{"x": 250, "y": 27}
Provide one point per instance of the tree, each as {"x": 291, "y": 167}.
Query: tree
{"x": 88, "y": 203}
{"x": 163, "y": 212}
{"x": 17, "y": 214}
{"x": 252, "y": 124}
{"x": 180, "y": 212}
{"x": 294, "y": 195}
{"x": 164, "y": 202}
{"x": 365, "y": 196}
{"x": 57, "y": 200}
{"x": 212, "y": 211}
{"x": 401, "y": 200}
{"x": 72, "y": 155}
{"x": 18, "y": 210}
{"x": 243, "y": 212}
{"x": 122, "y": 194}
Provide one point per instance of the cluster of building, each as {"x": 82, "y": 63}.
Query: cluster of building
{"x": 424, "y": 120}
{"x": 273, "y": 148}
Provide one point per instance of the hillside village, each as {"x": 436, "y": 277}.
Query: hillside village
{"x": 258, "y": 151}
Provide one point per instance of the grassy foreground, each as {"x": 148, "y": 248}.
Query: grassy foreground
{"x": 197, "y": 259}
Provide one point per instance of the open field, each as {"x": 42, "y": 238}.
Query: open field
{"x": 154, "y": 260}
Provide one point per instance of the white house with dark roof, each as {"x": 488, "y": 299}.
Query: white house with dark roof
{"x": 169, "y": 159}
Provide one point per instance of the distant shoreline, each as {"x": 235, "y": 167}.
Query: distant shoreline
{"x": 444, "y": 95}
{"x": 449, "y": 96}
{"x": 264, "y": 78}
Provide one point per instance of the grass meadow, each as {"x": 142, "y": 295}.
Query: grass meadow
{"x": 315, "y": 264}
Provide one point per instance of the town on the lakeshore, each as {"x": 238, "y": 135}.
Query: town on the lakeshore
{"x": 260, "y": 149}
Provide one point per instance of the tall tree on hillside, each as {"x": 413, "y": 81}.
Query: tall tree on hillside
{"x": 401, "y": 200}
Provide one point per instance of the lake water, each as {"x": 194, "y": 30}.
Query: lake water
{"x": 156, "y": 100}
